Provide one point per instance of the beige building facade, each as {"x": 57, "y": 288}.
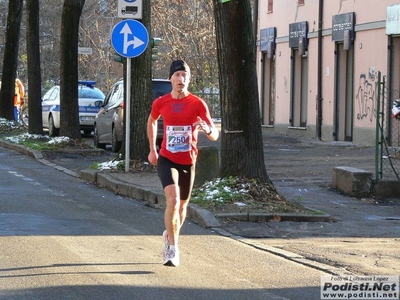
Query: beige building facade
{"x": 318, "y": 64}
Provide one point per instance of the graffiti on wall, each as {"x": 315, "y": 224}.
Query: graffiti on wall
{"x": 366, "y": 98}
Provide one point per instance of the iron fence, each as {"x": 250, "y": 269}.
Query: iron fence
{"x": 213, "y": 101}
{"x": 387, "y": 134}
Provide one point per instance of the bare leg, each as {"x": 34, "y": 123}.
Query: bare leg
{"x": 175, "y": 213}
{"x": 172, "y": 216}
{"x": 183, "y": 211}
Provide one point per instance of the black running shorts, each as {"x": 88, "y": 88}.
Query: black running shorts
{"x": 173, "y": 173}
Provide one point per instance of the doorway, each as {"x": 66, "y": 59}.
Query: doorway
{"x": 268, "y": 90}
{"x": 344, "y": 85}
{"x": 299, "y": 90}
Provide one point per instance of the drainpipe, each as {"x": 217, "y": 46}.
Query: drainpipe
{"x": 319, "y": 67}
{"x": 255, "y": 20}
{"x": 255, "y": 31}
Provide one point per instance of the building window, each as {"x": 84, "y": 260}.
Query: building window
{"x": 300, "y": 2}
{"x": 270, "y": 6}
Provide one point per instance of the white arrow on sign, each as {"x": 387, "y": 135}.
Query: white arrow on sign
{"x": 136, "y": 42}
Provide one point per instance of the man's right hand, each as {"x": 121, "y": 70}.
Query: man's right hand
{"x": 153, "y": 157}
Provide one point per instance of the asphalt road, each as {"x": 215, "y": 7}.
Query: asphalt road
{"x": 364, "y": 238}
{"x": 62, "y": 238}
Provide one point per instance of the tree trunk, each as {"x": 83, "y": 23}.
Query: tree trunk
{"x": 141, "y": 93}
{"x": 69, "y": 112}
{"x": 10, "y": 60}
{"x": 34, "y": 76}
{"x": 241, "y": 138}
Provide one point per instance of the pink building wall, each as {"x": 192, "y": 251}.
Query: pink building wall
{"x": 370, "y": 55}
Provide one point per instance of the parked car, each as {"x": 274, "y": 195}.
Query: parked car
{"x": 109, "y": 123}
{"x": 88, "y": 94}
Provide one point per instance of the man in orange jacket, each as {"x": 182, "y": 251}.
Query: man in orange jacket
{"x": 18, "y": 98}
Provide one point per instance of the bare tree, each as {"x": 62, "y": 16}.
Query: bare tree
{"x": 187, "y": 28}
{"x": 50, "y": 31}
{"x": 10, "y": 60}
{"x": 241, "y": 139}
{"x": 34, "y": 76}
{"x": 141, "y": 93}
{"x": 69, "y": 113}
{"x": 97, "y": 21}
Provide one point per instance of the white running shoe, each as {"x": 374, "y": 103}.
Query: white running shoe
{"x": 171, "y": 257}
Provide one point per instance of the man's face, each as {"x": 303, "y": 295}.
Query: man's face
{"x": 180, "y": 81}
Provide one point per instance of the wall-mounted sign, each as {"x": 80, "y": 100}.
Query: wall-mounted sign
{"x": 267, "y": 36}
{"x": 393, "y": 19}
{"x": 85, "y": 50}
{"x": 297, "y": 31}
{"x": 342, "y": 23}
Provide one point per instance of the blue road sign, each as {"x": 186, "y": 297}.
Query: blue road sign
{"x": 129, "y": 38}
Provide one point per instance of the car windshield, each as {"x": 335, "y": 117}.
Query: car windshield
{"x": 161, "y": 88}
{"x": 90, "y": 93}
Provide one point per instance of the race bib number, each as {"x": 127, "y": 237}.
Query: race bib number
{"x": 179, "y": 138}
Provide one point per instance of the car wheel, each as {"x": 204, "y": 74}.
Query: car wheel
{"x": 96, "y": 142}
{"x": 115, "y": 144}
{"x": 53, "y": 131}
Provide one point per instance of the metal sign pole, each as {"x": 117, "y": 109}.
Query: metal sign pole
{"x": 127, "y": 113}
{"x": 129, "y": 39}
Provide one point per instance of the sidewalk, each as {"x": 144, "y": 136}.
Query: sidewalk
{"x": 363, "y": 239}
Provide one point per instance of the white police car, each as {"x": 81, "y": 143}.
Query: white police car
{"x": 87, "y": 95}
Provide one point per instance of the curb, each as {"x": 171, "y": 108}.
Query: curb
{"x": 153, "y": 198}
{"x": 199, "y": 215}
{"x": 196, "y": 213}
{"x": 286, "y": 254}
{"x": 281, "y": 217}
{"x": 156, "y": 198}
